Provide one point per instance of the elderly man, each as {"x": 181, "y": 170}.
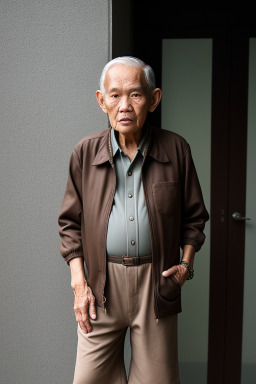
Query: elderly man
{"x": 132, "y": 201}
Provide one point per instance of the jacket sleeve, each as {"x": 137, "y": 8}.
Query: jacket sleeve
{"x": 69, "y": 219}
{"x": 194, "y": 213}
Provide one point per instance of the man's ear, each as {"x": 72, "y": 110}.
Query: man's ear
{"x": 101, "y": 102}
{"x": 155, "y": 96}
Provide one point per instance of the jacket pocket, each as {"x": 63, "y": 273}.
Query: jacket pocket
{"x": 169, "y": 288}
{"x": 166, "y": 197}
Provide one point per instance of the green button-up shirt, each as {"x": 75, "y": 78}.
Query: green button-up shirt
{"x": 128, "y": 226}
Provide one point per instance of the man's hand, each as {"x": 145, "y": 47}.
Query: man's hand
{"x": 179, "y": 272}
{"x": 84, "y": 306}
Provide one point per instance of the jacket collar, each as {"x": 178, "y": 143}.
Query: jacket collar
{"x": 155, "y": 148}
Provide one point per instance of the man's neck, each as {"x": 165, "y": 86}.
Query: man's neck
{"x": 130, "y": 143}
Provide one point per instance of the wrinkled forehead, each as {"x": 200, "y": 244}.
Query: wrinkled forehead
{"x": 120, "y": 75}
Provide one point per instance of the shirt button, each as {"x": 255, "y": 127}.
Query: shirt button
{"x": 132, "y": 242}
{"x": 129, "y": 195}
{"x": 129, "y": 173}
{"x": 131, "y": 218}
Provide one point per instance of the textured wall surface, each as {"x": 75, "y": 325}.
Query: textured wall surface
{"x": 51, "y": 56}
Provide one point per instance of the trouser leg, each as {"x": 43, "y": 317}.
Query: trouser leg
{"x": 153, "y": 344}
{"x": 100, "y": 353}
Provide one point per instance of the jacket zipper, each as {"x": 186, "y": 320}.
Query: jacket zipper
{"x": 108, "y": 214}
{"x": 152, "y": 234}
{"x": 153, "y": 269}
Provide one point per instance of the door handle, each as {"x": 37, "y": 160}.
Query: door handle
{"x": 238, "y": 217}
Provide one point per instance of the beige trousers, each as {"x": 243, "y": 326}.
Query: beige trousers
{"x": 100, "y": 354}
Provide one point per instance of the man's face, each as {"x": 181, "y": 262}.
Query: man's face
{"x": 127, "y": 99}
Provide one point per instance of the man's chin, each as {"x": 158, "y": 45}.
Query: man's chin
{"x": 127, "y": 127}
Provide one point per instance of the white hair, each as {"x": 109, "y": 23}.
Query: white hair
{"x": 134, "y": 62}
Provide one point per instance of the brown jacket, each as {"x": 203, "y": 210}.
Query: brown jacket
{"x": 173, "y": 196}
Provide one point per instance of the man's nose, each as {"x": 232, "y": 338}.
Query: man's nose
{"x": 125, "y": 104}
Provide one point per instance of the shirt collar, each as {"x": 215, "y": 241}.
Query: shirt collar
{"x": 156, "y": 148}
{"x": 116, "y": 147}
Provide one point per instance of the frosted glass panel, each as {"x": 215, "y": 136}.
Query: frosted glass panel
{"x": 186, "y": 109}
{"x": 249, "y": 320}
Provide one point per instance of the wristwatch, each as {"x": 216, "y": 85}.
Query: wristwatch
{"x": 190, "y": 270}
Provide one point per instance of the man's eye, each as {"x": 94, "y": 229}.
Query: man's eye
{"x": 136, "y": 95}
{"x": 115, "y": 96}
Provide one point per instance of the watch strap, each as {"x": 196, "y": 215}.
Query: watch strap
{"x": 190, "y": 270}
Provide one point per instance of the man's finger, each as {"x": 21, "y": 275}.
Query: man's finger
{"x": 92, "y": 309}
{"x": 170, "y": 271}
{"x": 84, "y": 322}
{"x": 82, "y": 326}
{"x": 86, "y": 326}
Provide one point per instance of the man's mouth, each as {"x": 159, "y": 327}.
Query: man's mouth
{"x": 125, "y": 119}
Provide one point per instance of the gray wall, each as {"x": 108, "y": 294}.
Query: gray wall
{"x": 52, "y": 53}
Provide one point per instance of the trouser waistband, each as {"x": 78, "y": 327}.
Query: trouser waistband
{"x": 129, "y": 260}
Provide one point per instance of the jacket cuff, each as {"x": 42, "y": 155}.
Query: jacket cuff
{"x": 193, "y": 242}
{"x": 72, "y": 255}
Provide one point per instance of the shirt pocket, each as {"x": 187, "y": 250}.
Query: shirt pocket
{"x": 166, "y": 195}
